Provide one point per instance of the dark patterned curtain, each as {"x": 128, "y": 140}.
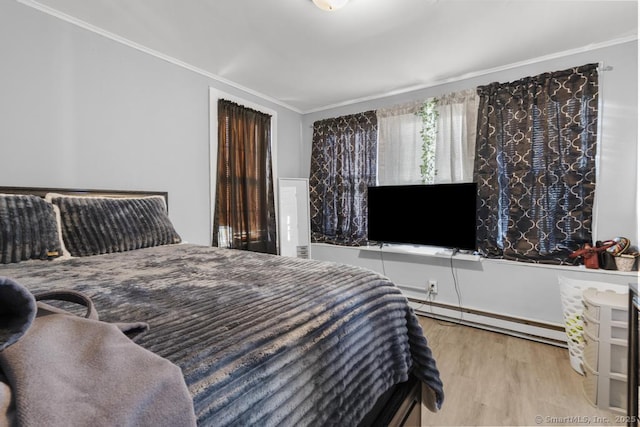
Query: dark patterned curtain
{"x": 535, "y": 165}
{"x": 244, "y": 215}
{"x": 343, "y": 165}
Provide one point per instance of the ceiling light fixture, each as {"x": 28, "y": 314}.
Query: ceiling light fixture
{"x": 330, "y": 5}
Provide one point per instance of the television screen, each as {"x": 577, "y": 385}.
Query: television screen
{"x": 441, "y": 215}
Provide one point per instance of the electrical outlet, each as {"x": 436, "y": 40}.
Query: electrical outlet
{"x": 433, "y": 287}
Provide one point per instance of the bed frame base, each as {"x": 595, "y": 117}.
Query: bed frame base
{"x": 399, "y": 407}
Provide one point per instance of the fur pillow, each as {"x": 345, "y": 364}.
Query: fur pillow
{"x": 100, "y": 225}
{"x": 28, "y": 229}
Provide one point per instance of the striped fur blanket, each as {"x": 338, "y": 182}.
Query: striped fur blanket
{"x": 260, "y": 339}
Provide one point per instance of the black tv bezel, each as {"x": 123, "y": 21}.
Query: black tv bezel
{"x": 446, "y": 194}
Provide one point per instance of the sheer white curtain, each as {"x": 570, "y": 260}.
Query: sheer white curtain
{"x": 456, "y": 136}
{"x": 399, "y": 144}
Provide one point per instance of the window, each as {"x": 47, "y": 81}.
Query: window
{"x": 244, "y": 215}
{"x": 455, "y": 136}
{"x": 400, "y": 144}
{"x": 428, "y": 142}
{"x": 536, "y": 165}
{"x": 343, "y": 165}
{"x": 391, "y": 146}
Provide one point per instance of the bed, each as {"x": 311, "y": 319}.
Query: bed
{"x": 260, "y": 339}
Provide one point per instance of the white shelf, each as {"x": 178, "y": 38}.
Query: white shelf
{"x": 420, "y": 250}
{"x": 605, "y": 384}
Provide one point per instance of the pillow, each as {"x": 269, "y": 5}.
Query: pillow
{"x": 28, "y": 229}
{"x": 101, "y": 225}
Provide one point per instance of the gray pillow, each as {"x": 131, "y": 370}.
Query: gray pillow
{"x": 28, "y": 229}
{"x": 101, "y": 225}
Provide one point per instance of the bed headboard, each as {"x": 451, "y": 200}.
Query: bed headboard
{"x": 42, "y": 191}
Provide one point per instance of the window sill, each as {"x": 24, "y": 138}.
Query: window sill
{"x": 431, "y": 251}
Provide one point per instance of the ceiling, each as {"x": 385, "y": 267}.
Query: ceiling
{"x": 307, "y": 59}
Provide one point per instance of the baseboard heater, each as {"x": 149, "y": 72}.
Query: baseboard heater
{"x": 523, "y": 328}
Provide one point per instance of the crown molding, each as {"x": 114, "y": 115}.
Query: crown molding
{"x": 479, "y": 73}
{"x": 102, "y": 32}
{"x": 85, "y": 25}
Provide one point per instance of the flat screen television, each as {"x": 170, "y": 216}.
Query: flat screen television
{"x": 442, "y": 215}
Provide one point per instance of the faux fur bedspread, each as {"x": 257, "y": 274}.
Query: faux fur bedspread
{"x": 261, "y": 339}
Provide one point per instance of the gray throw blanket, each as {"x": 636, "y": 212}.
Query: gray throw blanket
{"x": 59, "y": 369}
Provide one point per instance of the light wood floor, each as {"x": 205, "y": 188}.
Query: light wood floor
{"x": 498, "y": 380}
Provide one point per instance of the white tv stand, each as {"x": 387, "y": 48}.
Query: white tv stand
{"x": 421, "y": 250}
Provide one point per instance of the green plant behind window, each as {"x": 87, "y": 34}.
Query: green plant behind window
{"x": 429, "y": 116}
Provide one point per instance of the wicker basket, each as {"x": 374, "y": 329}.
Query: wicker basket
{"x": 625, "y": 262}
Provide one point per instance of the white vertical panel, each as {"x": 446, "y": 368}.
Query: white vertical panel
{"x": 294, "y": 227}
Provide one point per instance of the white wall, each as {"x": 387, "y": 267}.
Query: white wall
{"x": 526, "y": 293}
{"x": 517, "y": 289}
{"x": 79, "y": 110}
